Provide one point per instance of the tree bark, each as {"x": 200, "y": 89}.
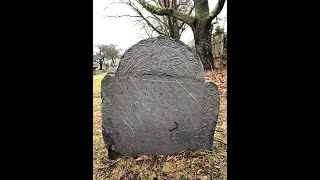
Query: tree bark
{"x": 202, "y": 33}
{"x": 203, "y": 43}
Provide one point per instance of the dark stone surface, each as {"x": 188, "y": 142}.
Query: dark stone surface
{"x": 158, "y": 101}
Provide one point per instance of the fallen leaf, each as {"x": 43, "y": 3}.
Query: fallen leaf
{"x": 167, "y": 167}
{"x": 204, "y": 178}
{"x": 139, "y": 159}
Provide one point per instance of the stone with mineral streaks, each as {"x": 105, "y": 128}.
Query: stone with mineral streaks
{"x": 158, "y": 101}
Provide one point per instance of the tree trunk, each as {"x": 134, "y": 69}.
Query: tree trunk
{"x": 202, "y": 33}
{"x": 100, "y": 66}
{"x": 173, "y": 28}
{"x": 203, "y": 43}
{"x": 200, "y": 25}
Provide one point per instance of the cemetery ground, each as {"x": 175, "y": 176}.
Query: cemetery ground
{"x": 200, "y": 164}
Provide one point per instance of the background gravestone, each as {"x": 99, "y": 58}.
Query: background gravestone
{"x": 158, "y": 101}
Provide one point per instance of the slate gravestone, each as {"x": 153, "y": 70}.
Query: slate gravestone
{"x": 158, "y": 101}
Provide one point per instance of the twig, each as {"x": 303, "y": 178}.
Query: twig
{"x": 180, "y": 169}
{"x": 118, "y": 16}
{"x": 109, "y": 165}
{"x": 114, "y": 3}
{"x": 220, "y": 141}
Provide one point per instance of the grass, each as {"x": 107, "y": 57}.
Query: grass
{"x": 188, "y": 165}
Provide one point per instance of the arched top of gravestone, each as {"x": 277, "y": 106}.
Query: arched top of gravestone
{"x": 161, "y": 58}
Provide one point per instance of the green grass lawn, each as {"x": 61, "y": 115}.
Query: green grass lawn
{"x": 188, "y": 165}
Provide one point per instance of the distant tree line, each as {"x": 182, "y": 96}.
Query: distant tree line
{"x": 106, "y": 52}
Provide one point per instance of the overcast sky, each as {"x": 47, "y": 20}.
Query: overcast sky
{"x": 121, "y": 31}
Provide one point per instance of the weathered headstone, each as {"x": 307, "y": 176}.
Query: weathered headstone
{"x": 158, "y": 101}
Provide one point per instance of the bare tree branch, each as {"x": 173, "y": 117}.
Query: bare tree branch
{"x": 156, "y": 18}
{"x": 144, "y": 18}
{"x": 114, "y": 3}
{"x": 118, "y": 16}
{"x": 170, "y": 12}
{"x": 138, "y": 21}
{"x": 220, "y": 141}
{"x": 216, "y": 10}
{"x": 183, "y": 3}
{"x": 161, "y": 24}
{"x": 182, "y": 24}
